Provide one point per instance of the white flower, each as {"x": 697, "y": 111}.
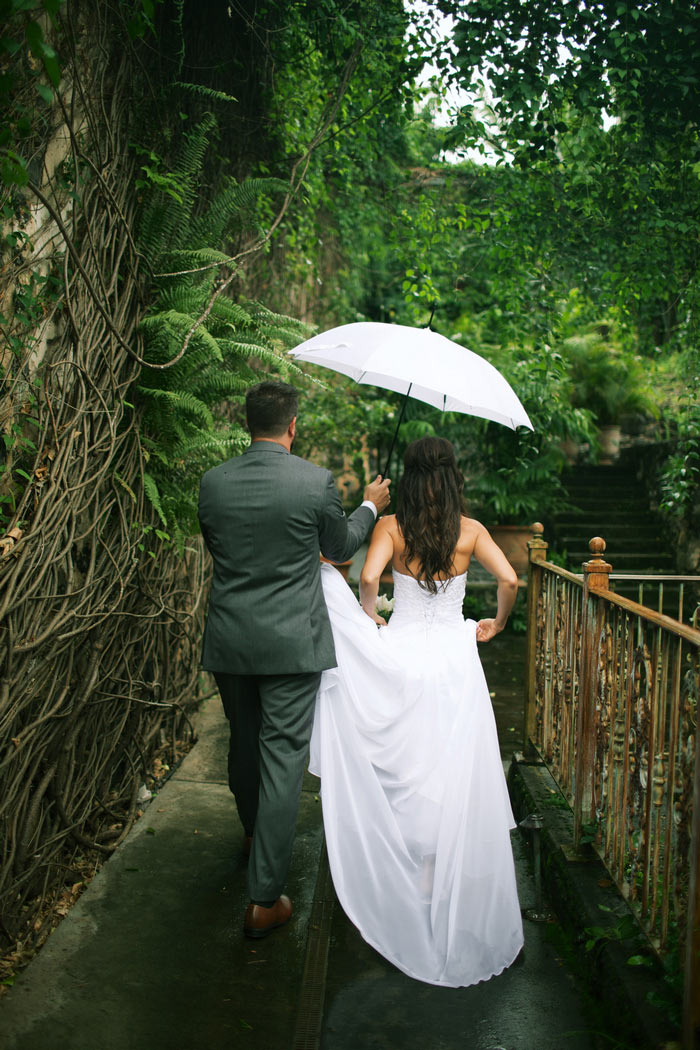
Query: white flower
{"x": 384, "y": 604}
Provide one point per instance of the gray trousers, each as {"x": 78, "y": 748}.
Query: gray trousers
{"x": 270, "y": 717}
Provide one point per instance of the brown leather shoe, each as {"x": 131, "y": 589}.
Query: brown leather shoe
{"x": 259, "y": 921}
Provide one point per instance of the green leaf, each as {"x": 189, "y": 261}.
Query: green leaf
{"x": 53, "y": 70}
{"x": 13, "y": 171}
{"x": 45, "y": 92}
{"x": 10, "y": 46}
{"x": 35, "y": 38}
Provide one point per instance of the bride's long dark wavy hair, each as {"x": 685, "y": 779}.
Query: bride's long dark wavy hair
{"x": 429, "y": 505}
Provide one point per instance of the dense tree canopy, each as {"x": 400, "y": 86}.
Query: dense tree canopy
{"x": 580, "y": 219}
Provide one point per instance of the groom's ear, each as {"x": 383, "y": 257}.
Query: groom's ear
{"x": 292, "y": 428}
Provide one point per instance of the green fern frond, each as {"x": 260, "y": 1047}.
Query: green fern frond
{"x": 239, "y": 202}
{"x": 182, "y": 324}
{"x": 241, "y": 348}
{"x": 151, "y": 489}
{"x": 190, "y": 258}
{"x": 183, "y": 299}
{"x": 262, "y": 315}
{"x": 165, "y": 222}
{"x": 205, "y": 92}
{"x": 227, "y": 312}
{"x": 180, "y": 400}
{"x": 220, "y": 384}
{"x": 213, "y": 445}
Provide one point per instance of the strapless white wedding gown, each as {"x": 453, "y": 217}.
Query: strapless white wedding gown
{"x": 415, "y": 805}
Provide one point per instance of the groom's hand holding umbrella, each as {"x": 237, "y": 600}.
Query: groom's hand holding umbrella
{"x": 378, "y": 493}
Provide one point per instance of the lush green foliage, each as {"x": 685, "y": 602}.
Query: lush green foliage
{"x": 590, "y": 212}
{"x": 333, "y": 257}
{"x": 30, "y": 73}
{"x": 203, "y": 350}
{"x": 592, "y": 113}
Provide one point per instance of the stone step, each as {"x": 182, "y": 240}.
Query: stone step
{"x": 625, "y": 561}
{"x": 639, "y": 532}
{"x": 629, "y": 487}
{"x": 610, "y": 502}
{"x": 611, "y": 516}
{"x": 599, "y": 477}
{"x": 646, "y": 538}
{"x": 581, "y": 522}
{"x": 609, "y": 499}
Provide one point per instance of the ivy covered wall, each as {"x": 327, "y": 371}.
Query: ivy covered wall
{"x": 155, "y": 161}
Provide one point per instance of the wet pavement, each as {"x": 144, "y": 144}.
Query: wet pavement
{"x": 534, "y": 1005}
{"x": 503, "y": 660}
{"x": 152, "y": 954}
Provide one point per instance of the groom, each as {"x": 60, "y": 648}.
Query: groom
{"x": 265, "y": 517}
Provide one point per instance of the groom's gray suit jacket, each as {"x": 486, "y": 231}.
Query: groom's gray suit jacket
{"x": 265, "y": 515}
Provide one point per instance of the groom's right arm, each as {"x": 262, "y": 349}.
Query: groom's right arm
{"x": 340, "y": 536}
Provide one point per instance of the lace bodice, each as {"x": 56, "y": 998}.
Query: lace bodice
{"x": 414, "y": 604}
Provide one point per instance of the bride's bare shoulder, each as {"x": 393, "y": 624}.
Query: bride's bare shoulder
{"x": 388, "y": 523}
{"x": 470, "y": 532}
{"x": 471, "y": 526}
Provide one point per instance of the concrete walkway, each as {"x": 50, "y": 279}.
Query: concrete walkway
{"x": 153, "y": 956}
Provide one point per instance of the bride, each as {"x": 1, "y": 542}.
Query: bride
{"x": 415, "y": 805}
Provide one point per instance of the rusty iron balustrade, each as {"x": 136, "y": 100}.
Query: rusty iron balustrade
{"x": 611, "y": 708}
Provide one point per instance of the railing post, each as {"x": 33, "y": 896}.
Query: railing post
{"x": 537, "y": 552}
{"x": 691, "y": 1004}
{"x": 596, "y": 577}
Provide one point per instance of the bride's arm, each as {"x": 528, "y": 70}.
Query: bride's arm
{"x": 380, "y": 552}
{"x": 490, "y": 555}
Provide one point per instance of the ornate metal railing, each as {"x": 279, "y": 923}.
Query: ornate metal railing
{"x": 611, "y": 707}
{"x": 664, "y": 593}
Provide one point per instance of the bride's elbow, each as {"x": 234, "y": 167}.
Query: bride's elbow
{"x": 510, "y": 580}
{"x": 369, "y": 579}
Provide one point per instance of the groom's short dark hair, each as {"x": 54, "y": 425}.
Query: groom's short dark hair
{"x": 270, "y": 407}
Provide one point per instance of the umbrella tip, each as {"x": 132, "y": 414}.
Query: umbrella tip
{"x": 433, "y": 307}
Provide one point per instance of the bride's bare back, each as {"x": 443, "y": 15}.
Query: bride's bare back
{"x": 388, "y": 545}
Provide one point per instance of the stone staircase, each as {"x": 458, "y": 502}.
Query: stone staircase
{"x": 609, "y": 501}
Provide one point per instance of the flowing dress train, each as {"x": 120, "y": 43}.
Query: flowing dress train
{"x": 415, "y": 805}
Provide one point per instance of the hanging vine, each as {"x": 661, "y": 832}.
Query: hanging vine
{"x": 100, "y": 611}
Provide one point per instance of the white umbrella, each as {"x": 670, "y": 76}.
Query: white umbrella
{"x": 420, "y": 363}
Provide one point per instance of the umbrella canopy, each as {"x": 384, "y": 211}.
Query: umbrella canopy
{"x": 420, "y": 363}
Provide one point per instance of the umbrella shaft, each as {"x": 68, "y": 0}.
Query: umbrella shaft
{"x": 393, "y": 440}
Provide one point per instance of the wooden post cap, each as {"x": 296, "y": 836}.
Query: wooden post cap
{"x": 537, "y": 545}
{"x": 597, "y": 569}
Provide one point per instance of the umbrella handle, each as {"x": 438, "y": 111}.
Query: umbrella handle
{"x": 393, "y": 440}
